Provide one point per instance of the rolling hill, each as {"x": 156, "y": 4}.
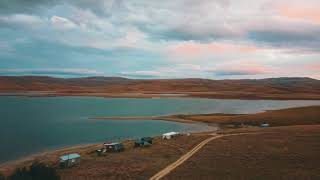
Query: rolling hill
{"x": 272, "y": 88}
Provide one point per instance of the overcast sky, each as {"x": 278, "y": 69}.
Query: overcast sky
{"x": 216, "y": 39}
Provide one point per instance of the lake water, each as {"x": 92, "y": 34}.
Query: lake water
{"x": 31, "y": 125}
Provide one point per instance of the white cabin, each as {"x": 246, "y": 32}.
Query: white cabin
{"x": 169, "y": 135}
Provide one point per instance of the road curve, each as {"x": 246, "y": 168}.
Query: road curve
{"x": 186, "y": 156}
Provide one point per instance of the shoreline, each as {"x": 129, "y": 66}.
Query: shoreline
{"x": 171, "y": 118}
{"x": 156, "y": 95}
{"x": 44, "y": 152}
{"x": 9, "y": 166}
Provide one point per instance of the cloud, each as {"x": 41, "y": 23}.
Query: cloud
{"x": 23, "y": 20}
{"x": 299, "y": 11}
{"x": 180, "y": 38}
{"x": 191, "y": 48}
{"x": 241, "y": 68}
{"x": 6, "y": 48}
{"x": 276, "y": 24}
{"x": 236, "y": 72}
{"x": 51, "y": 71}
{"x": 22, "y": 6}
{"x": 89, "y": 21}
{"x": 62, "y": 23}
{"x": 315, "y": 67}
{"x": 142, "y": 74}
{"x": 230, "y": 69}
{"x": 286, "y": 34}
{"x": 176, "y": 71}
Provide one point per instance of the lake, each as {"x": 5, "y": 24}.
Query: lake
{"x": 30, "y": 125}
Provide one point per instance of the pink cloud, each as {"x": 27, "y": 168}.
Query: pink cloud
{"x": 308, "y": 13}
{"x": 244, "y": 67}
{"x": 313, "y": 67}
{"x": 197, "y": 49}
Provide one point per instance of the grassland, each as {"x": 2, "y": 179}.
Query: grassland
{"x": 283, "y": 117}
{"x": 286, "y": 152}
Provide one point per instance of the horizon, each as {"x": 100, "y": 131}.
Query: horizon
{"x": 84, "y": 77}
{"x": 219, "y": 39}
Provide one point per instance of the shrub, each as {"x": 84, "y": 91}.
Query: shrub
{"x": 2, "y": 177}
{"x": 37, "y": 171}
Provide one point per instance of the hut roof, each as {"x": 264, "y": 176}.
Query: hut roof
{"x": 111, "y": 144}
{"x": 170, "y": 133}
{"x": 69, "y": 156}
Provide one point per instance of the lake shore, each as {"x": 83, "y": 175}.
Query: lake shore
{"x": 292, "y": 116}
{"x": 164, "y": 118}
{"x": 88, "y": 153}
{"x": 205, "y": 95}
{"x": 280, "y": 120}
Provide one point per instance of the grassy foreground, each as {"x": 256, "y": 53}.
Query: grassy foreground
{"x": 287, "y": 152}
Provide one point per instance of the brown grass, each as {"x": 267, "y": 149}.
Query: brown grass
{"x": 290, "y": 152}
{"x": 285, "y": 117}
{"x": 273, "y": 88}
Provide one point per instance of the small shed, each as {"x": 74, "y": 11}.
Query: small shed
{"x": 114, "y": 147}
{"x": 69, "y": 160}
{"x": 170, "y": 135}
{"x": 147, "y": 139}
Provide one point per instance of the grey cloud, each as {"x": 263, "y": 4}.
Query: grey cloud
{"x": 183, "y": 20}
{"x": 138, "y": 76}
{"x": 306, "y": 41}
{"x": 24, "y": 6}
{"x": 32, "y": 6}
{"x": 21, "y": 20}
{"x": 59, "y": 72}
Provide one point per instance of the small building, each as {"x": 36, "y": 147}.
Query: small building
{"x": 69, "y": 160}
{"x": 143, "y": 142}
{"x": 147, "y": 139}
{"x": 114, "y": 147}
{"x": 170, "y": 135}
{"x": 264, "y": 125}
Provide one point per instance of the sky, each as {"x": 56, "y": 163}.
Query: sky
{"x": 214, "y": 39}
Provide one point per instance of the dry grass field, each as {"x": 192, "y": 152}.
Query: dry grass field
{"x": 290, "y": 152}
{"x": 272, "y": 88}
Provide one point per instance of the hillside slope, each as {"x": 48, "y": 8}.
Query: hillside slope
{"x": 273, "y": 88}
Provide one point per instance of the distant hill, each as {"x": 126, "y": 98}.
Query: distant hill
{"x": 302, "y": 88}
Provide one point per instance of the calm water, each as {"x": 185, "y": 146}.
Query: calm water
{"x": 31, "y": 125}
